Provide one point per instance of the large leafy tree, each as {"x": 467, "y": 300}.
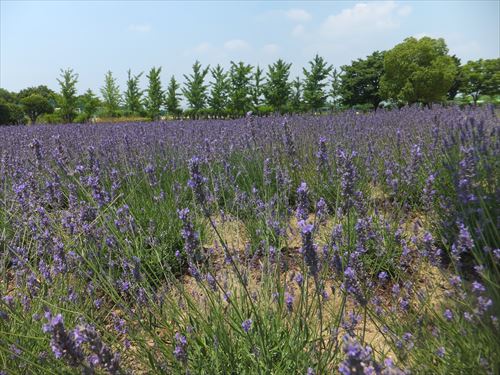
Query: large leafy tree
{"x": 315, "y": 82}
{"x": 277, "y": 89}
{"x": 35, "y": 105}
{"x": 41, "y": 90}
{"x": 481, "y": 77}
{"x": 195, "y": 89}
{"x": 173, "y": 101}
{"x": 418, "y": 70}
{"x": 219, "y": 92}
{"x": 360, "y": 81}
{"x": 111, "y": 95}
{"x": 133, "y": 94}
{"x": 154, "y": 94}
{"x": 68, "y": 98}
{"x": 240, "y": 76}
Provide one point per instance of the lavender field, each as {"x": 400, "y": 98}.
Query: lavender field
{"x": 348, "y": 243}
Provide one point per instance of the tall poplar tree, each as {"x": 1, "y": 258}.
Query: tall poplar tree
{"x": 68, "y": 98}
{"x": 133, "y": 94}
{"x": 154, "y": 94}
{"x": 195, "y": 89}
{"x": 315, "y": 82}
{"x": 173, "y": 101}
{"x": 111, "y": 95}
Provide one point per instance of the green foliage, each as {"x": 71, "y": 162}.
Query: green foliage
{"x": 41, "y": 90}
{"x": 360, "y": 81}
{"x": 335, "y": 85}
{"x": 172, "y": 101}
{"x": 7, "y": 96}
{"x": 11, "y": 114}
{"x": 90, "y": 104}
{"x": 257, "y": 87}
{"x": 457, "y": 82}
{"x": 314, "y": 83}
{"x": 277, "y": 89}
{"x": 418, "y": 70}
{"x": 68, "y": 98}
{"x": 5, "y": 115}
{"x": 219, "y": 93}
{"x": 35, "y": 105}
{"x": 154, "y": 94}
{"x": 296, "y": 103}
{"x": 240, "y": 76}
{"x": 481, "y": 77}
{"x": 111, "y": 95}
{"x": 195, "y": 90}
{"x": 133, "y": 95}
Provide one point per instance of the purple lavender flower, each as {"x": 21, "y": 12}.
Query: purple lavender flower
{"x": 448, "y": 314}
{"x": 440, "y": 352}
{"x": 197, "y": 181}
{"x": 289, "y": 301}
{"x": 302, "y": 212}
{"x": 308, "y": 248}
{"x": 247, "y": 325}
{"x": 299, "y": 279}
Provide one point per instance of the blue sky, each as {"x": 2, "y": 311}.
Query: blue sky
{"x": 40, "y": 37}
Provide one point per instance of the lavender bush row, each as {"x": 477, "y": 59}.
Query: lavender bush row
{"x": 351, "y": 243}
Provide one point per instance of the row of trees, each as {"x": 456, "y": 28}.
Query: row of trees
{"x": 414, "y": 71}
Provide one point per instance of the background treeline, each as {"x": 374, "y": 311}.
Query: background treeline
{"x": 414, "y": 71}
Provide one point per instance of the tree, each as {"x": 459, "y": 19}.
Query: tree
{"x": 7, "y": 96}
{"x": 155, "y": 95}
{"x": 457, "y": 82}
{"x": 481, "y": 77}
{"x": 173, "y": 102}
{"x": 133, "y": 95}
{"x": 335, "y": 85}
{"x": 111, "y": 95}
{"x": 257, "y": 88}
{"x": 4, "y": 113}
{"x": 41, "y": 90}
{"x": 11, "y": 114}
{"x": 68, "y": 98}
{"x": 219, "y": 93}
{"x": 360, "y": 81}
{"x": 314, "y": 84}
{"x": 240, "y": 100}
{"x": 34, "y": 105}
{"x": 296, "y": 95}
{"x": 195, "y": 90}
{"x": 277, "y": 89}
{"x": 90, "y": 104}
{"x": 418, "y": 70}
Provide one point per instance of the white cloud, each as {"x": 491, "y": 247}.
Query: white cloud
{"x": 202, "y": 47}
{"x": 236, "y": 44}
{"x": 270, "y": 48}
{"x": 365, "y": 17}
{"x": 140, "y": 28}
{"x": 298, "y": 30}
{"x": 298, "y": 15}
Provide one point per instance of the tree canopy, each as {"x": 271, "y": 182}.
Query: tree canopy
{"x": 360, "y": 81}
{"x": 418, "y": 70}
{"x": 481, "y": 77}
{"x": 68, "y": 98}
{"x": 35, "y": 105}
